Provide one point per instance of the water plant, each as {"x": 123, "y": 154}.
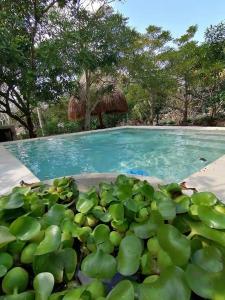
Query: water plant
{"x": 123, "y": 240}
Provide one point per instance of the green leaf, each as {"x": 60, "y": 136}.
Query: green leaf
{"x": 58, "y": 295}
{"x": 5, "y": 236}
{"x": 146, "y": 263}
{"x": 69, "y": 258}
{"x": 124, "y": 290}
{"x": 6, "y": 262}
{"x": 117, "y": 212}
{"x": 170, "y": 285}
{"x": 175, "y": 244}
{"x": 15, "y": 280}
{"x": 198, "y": 228}
{"x": 149, "y": 227}
{"x": 79, "y": 293}
{"x": 106, "y": 197}
{"x": 163, "y": 260}
{"x": 15, "y": 200}
{"x": 182, "y": 204}
{"x": 3, "y": 270}
{"x": 146, "y": 190}
{"x": 101, "y": 215}
{"x": 60, "y": 263}
{"x": 99, "y": 265}
{"x": 171, "y": 188}
{"x": 129, "y": 255}
{"x": 101, "y": 237}
{"x": 86, "y": 202}
{"x": 96, "y": 288}
{"x": 25, "y": 228}
{"x": 209, "y": 258}
{"x": 204, "y": 198}
{"x": 133, "y": 205}
{"x": 49, "y": 262}
{"x": 166, "y": 206}
{"x": 51, "y": 240}
{"x": 27, "y": 254}
{"x": 55, "y": 215}
{"x": 211, "y": 217}
{"x": 209, "y": 285}
{"x": 122, "y": 188}
{"x": 29, "y": 295}
{"x": 43, "y": 285}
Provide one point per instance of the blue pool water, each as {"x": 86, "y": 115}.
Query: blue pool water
{"x": 171, "y": 155}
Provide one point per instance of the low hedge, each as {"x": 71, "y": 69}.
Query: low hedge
{"x": 120, "y": 241}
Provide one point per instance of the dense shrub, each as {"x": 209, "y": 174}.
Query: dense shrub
{"x": 133, "y": 241}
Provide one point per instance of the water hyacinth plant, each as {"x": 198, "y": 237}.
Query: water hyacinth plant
{"x": 126, "y": 239}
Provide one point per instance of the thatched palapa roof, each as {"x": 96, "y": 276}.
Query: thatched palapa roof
{"x": 76, "y": 110}
{"x": 114, "y": 102}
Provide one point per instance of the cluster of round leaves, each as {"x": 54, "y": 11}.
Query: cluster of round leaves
{"x": 119, "y": 241}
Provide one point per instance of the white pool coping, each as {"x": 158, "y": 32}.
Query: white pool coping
{"x": 210, "y": 178}
{"x": 87, "y": 180}
{"x": 12, "y": 171}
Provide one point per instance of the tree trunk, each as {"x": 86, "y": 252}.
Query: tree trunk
{"x": 30, "y": 127}
{"x": 85, "y": 95}
{"x": 157, "y": 118}
{"x": 185, "y": 112}
{"x": 186, "y": 106}
{"x": 152, "y": 110}
{"x": 87, "y": 121}
{"x": 101, "y": 121}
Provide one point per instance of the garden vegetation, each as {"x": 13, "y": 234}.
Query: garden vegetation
{"x": 123, "y": 240}
{"x": 52, "y": 49}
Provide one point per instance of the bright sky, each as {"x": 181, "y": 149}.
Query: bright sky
{"x": 173, "y": 15}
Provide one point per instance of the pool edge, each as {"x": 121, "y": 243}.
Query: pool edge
{"x": 209, "y": 178}
{"x": 119, "y": 128}
{"x": 12, "y": 171}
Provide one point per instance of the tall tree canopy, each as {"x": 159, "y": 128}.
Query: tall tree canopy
{"x": 54, "y": 48}
{"x": 31, "y": 69}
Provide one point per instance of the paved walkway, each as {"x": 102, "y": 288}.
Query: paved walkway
{"x": 211, "y": 178}
{"x": 12, "y": 171}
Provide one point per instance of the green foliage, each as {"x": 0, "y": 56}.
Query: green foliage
{"x": 32, "y": 69}
{"x": 126, "y": 229}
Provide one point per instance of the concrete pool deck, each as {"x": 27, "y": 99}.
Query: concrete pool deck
{"x": 210, "y": 178}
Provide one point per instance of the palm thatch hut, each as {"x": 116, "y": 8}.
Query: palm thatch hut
{"x": 115, "y": 102}
{"x": 76, "y": 110}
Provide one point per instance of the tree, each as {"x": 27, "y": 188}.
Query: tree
{"x": 96, "y": 42}
{"x": 31, "y": 69}
{"x": 215, "y": 39}
{"x": 147, "y": 67}
{"x": 183, "y": 63}
{"x": 210, "y": 77}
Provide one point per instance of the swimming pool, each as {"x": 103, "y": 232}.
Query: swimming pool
{"x": 169, "y": 154}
